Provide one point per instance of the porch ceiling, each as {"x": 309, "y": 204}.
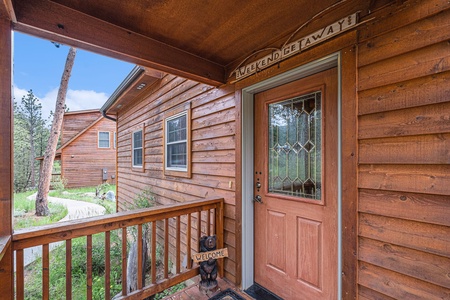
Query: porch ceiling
{"x": 201, "y": 40}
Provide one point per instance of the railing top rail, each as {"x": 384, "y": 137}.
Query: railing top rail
{"x": 24, "y": 238}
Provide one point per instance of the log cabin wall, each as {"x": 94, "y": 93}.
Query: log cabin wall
{"x": 404, "y": 159}
{"x": 82, "y": 161}
{"x": 213, "y": 117}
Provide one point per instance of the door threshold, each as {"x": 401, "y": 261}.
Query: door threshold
{"x": 260, "y": 293}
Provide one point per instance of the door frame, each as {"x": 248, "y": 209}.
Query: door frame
{"x": 247, "y": 101}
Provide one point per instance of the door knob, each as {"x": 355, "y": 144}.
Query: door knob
{"x": 258, "y": 199}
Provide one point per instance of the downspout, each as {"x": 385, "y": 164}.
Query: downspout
{"x": 108, "y": 117}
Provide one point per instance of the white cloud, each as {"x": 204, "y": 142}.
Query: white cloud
{"x": 75, "y": 99}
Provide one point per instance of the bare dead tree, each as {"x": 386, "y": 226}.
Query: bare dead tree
{"x": 49, "y": 156}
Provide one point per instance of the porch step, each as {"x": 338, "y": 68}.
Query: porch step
{"x": 193, "y": 293}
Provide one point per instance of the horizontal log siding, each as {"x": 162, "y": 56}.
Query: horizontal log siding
{"x": 213, "y": 153}
{"x": 404, "y": 153}
{"x": 85, "y": 168}
{"x": 75, "y": 122}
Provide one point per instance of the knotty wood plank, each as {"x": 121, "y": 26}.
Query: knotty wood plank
{"x": 429, "y": 238}
{"x": 213, "y": 107}
{"x": 421, "y": 91}
{"x": 423, "y": 149}
{"x": 108, "y": 265}
{"x": 430, "y": 119}
{"x": 425, "y": 61}
{"x": 69, "y": 269}
{"x": 219, "y": 143}
{"x": 216, "y": 131}
{"x": 220, "y": 117}
{"x": 218, "y": 156}
{"x": 89, "y": 267}
{"x": 19, "y": 275}
{"x": 45, "y": 272}
{"x": 428, "y": 179}
{"x": 423, "y": 33}
{"x": 398, "y": 286}
{"x": 433, "y": 208}
{"x": 427, "y": 267}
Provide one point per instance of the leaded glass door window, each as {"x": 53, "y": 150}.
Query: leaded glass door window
{"x": 295, "y": 146}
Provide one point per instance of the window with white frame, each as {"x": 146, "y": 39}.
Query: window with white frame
{"x": 103, "y": 139}
{"x": 176, "y": 142}
{"x": 137, "y": 152}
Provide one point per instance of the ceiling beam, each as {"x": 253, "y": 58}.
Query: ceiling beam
{"x": 47, "y": 19}
{"x": 7, "y": 11}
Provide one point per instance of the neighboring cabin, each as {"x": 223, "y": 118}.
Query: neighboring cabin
{"x": 87, "y": 152}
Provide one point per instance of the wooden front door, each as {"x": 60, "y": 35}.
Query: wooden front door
{"x": 296, "y": 140}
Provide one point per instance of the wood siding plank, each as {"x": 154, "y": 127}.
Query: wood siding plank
{"x": 425, "y": 179}
{"x": 409, "y": 206}
{"x": 398, "y": 286}
{"x": 426, "y": 61}
{"x": 424, "y": 149}
{"x": 427, "y": 267}
{"x": 434, "y": 239}
{"x": 428, "y": 119}
{"x": 405, "y": 94}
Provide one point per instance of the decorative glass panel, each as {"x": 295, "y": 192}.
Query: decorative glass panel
{"x": 103, "y": 139}
{"x": 295, "y": 130}
{"x": 137, "y": 148}
{"x": 176, "y": 142}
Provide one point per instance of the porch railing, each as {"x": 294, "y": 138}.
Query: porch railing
{"x": 186, "y": 222}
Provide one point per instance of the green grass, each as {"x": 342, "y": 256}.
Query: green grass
{"x": 24, "y": 212}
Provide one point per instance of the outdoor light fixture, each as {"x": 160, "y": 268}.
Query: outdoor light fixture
{"x": 141, "y": 86}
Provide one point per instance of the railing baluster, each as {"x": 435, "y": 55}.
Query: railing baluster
{"x": 208, "y": 222}
{"x": 199, "y": 229}
{"x": 68, "y": 269}
{"x": 166, "y": 249}
{"x": 214, "y": 212}
{"x": 139, "y": 257}
{"x": 19, "y": 275}
{"x": 89, "y": 267}
{"x": 124, "y": 261}
{"x": 107, "y": 265}
{"x": 154, "y": 252}
{"x": 178, "y": 246}
{"x": 219, "y": 234}
{"x": 188, "y": 242}
{"x": 45, "y": 272}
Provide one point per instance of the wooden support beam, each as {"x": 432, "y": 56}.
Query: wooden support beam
{"x": 7, "y": 11}
{"x": 57, "y": 22}
{"x": 6, "y": 167}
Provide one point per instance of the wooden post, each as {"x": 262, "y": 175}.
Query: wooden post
{"x": 6, "y": 163}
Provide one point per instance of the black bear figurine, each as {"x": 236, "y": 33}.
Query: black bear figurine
{"x": 208, "y": 269}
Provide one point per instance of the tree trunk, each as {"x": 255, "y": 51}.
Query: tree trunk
{"x": 49, "y": 156}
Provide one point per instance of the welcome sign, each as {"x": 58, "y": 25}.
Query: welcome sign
{"x": 297, "y": 46}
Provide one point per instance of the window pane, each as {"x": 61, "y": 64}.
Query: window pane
{"x": 137, "y": 157}
{"x": 176, "y": 129}
{"x": 176, "y": 156}
{"x": 295, "y": 127}
{"x": 103, "y": 139}
{"x": 137, "y": 139}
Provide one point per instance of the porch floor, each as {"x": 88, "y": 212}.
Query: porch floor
{"x": 192, "y": 292}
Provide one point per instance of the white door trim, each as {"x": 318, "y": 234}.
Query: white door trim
{"x": 333, "y": 60}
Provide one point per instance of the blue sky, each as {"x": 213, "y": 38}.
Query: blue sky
{"x": 38, "y": 65}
